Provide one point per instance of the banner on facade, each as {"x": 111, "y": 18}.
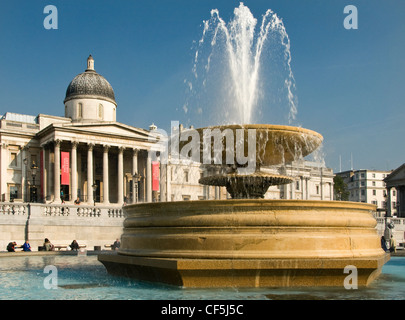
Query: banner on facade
{"x": 64, "y": 168}
{"x": 155, "y": 176}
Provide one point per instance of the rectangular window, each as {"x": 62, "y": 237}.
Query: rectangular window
{"x": 374, "y": 192}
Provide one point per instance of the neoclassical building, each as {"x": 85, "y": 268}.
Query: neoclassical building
{"x": 84, "y": 155}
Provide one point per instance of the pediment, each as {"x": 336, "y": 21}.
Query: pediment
{"x": 113, "y": 128}
{"x": 398, "y": 175}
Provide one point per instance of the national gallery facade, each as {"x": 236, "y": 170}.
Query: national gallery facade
{"x": 85, "y": 156}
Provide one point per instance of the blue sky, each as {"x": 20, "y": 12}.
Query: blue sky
{"x": 349, "y": 83}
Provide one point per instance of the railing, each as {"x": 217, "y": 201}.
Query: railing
{"x": 13, "y": 209}
{"x": 60, "y": 210}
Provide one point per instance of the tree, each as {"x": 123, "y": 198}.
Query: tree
{"x": 340, "y": 189}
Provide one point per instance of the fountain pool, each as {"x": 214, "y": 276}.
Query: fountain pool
{"x": 85, "y": 278}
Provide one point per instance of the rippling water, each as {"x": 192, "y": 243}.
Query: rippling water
{"x": 85, "y": 278}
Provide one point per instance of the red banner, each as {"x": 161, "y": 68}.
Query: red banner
{"x": 155, "y": 176}
{"x": 64, "y": 156}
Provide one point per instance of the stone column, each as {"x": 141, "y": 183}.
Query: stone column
{"x": 74, "y": 171}
{"x": 163, "y": 185}
{"x": 44, "y": 174}
{"x": 120, "y": 175}
{"x": 48, "y": 174}
{"x": 106, "y": 189}
{"x": 23, "y": 175}
{"x": 149, "y": 178}
{"x": 134, "y": 171}
{"x": 56, "y": 173}
{"x": 388, "y": 203}
{"x": 3, "y": 172}
{"x": 90, "y": 198}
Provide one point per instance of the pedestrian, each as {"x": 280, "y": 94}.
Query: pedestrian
{"x": 116, "y": 245}
{"x": 384, "y": 244}
{"x": 11, "y": 246}
{"x": 393, "y": 245}
{"x": 48, "y": 246}
{"x": 74, "y": 245}
{"x": 26, "y": 246}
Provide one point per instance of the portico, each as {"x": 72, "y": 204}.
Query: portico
{"x": 99, "y": 172}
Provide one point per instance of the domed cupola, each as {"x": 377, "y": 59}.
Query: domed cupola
{"x": 90, "y": 97}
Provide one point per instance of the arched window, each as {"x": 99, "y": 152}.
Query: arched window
{"x": 100, "y": 111}
{"x": 80, "y": 110}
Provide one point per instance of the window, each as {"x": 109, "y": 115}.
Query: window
{"x": 80, "y": 110}
{"x": 373, "y": 183}
{"x": 13, "y": 193}
{"x": 317, "y": 189}
{"x": 186, "y": 198}
{"x": 374, "y": 192}
{"x": 373, "y": 175}
{"x": 297, "y": 185}
{"x": 186, "y": 176}
{"x": 13, "y": 159}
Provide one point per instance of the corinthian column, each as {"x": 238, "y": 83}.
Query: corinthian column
{"x": 149, "y": 178}
{"x": 90, "y": 173}
{"x": 56, "y": 174}
{"x": 134, "y": 171}
{"x": 120, "y": 175}
{"x": 74, "y": 170}
{"x": 106, "y": 189}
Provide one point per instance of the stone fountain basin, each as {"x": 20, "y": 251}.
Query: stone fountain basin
{"x": 275, "y": 144}
{"x": 248, "y": 243}
{"x": 251, "y": 229}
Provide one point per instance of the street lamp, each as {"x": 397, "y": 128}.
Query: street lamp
{"x": 136, "y": 179}
{"x": 25, "y": 186}
{"x": 94, "y": 193}
{"x": 34, "y": 169}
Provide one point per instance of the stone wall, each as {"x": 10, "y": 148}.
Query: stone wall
{"x": 89, "y": 225}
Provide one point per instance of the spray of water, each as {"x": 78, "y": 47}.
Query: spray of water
{"x": 233, "y": 65}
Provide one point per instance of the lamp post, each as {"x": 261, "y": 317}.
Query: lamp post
{"x": 136, "y": 178}
{"x": 94, "y": 193}
{"x": 34, "y": 168}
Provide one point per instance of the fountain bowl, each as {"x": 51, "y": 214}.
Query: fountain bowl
{"x": 275, "y": 144}
{"x": 248, "y": 243}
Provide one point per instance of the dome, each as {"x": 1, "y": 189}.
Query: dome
{"x": 90, "y": 84}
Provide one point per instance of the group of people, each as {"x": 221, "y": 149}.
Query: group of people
{"x": 392, "y": 247}
{"x": 48, "y": 246}
{"x": 13, "y": 245}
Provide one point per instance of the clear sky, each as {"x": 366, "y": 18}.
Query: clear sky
{"x": 349, "y": 83}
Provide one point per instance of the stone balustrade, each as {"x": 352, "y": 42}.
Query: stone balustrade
{"x": 61, "y": 223}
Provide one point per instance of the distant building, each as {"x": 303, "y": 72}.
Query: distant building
{"x": 395, "y": 184}
{"x": 369, "y": 186}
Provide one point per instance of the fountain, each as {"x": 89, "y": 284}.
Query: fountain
{"x": 249, "y": 241}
